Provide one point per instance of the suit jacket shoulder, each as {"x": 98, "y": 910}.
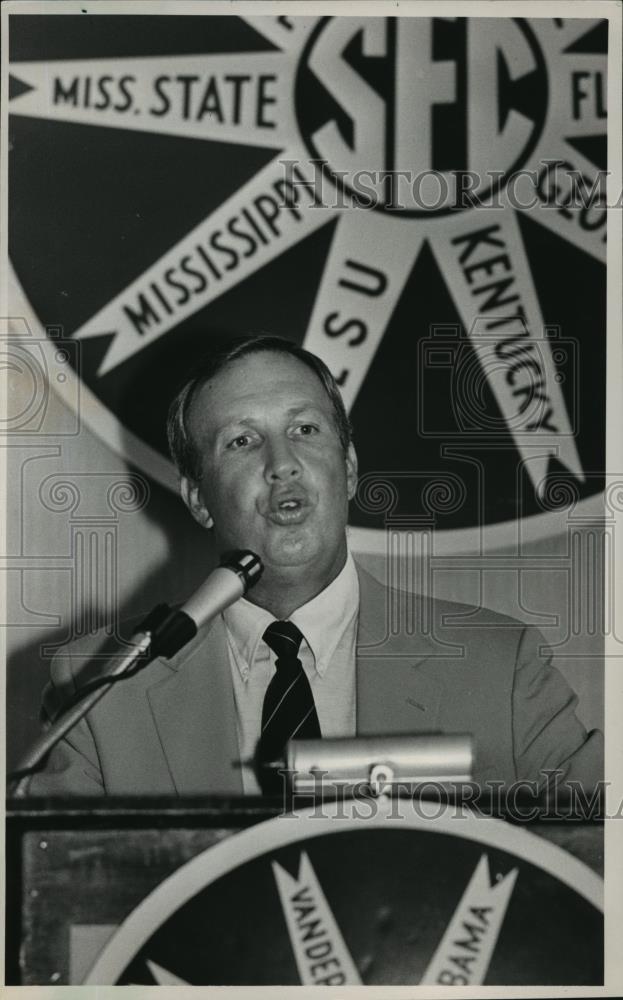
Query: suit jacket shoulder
{"x": 473, "y": 670}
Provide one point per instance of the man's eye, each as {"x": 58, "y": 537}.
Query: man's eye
{"x": 239, "y": 442}
{"x": 306, "y": 430}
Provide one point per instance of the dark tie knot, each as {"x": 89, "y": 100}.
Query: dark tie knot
{"x": 284, "y": 638}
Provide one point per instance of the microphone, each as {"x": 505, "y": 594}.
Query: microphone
{"x": 170, "y": 630}
{"x": 237, "y": 572}
{"x": 163, "y": 633}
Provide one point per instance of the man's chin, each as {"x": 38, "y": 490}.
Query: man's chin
{"x": 291, "y": 548}
{"x": 307, "y": 551}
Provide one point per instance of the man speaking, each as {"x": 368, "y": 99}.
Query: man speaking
{"x": 263, "y": 447}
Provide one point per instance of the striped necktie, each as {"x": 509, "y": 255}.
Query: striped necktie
{"x": 289, "y": 710}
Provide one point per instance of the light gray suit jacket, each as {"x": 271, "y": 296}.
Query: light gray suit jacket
{"x": 422, "y": 666}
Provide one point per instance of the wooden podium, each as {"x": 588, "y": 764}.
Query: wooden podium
{"x": 75, "y": 871}
{"x": 88, "y": 863}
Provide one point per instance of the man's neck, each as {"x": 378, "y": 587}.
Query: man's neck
{"x": 283, "y": 596}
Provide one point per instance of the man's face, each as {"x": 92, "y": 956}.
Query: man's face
{"x": 274, "y": 476}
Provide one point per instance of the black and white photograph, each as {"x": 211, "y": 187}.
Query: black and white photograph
{"x": 311, "y": 454}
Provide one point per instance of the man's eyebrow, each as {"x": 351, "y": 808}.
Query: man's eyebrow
{"x": 294, "y": 411}
{"x": 228, "y": 425}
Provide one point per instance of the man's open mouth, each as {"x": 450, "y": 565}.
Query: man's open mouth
{"x": 288, "y": 510}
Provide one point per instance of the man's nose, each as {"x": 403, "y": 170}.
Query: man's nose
{"x": 281, "y": 460}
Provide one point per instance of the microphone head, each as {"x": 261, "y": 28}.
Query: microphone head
{"x": 245, "y": 564}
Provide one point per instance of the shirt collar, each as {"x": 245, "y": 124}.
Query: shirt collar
{"x": 323, "y": 621}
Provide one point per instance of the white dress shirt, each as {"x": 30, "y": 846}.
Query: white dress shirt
{"x": 329, "y": 626}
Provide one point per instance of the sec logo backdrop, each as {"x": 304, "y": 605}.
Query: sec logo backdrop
{"x": 417, "y": 200}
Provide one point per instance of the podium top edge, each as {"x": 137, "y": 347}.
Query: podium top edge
{"x": 227, "y": 809}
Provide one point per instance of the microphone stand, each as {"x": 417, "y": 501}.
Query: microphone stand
{"x": 163, "y": 632}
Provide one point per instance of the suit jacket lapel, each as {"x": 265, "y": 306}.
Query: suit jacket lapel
{"x": 398, "y": 688}
{"x": 194, "y": 712}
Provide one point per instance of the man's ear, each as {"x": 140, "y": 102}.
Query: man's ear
{"x": 351, "y": 470}
{"x": 192, "y": 498}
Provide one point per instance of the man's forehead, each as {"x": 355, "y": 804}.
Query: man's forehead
{"x": 258, "y": 382}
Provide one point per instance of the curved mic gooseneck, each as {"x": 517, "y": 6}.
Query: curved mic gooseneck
{"x": 162, "y": 634}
